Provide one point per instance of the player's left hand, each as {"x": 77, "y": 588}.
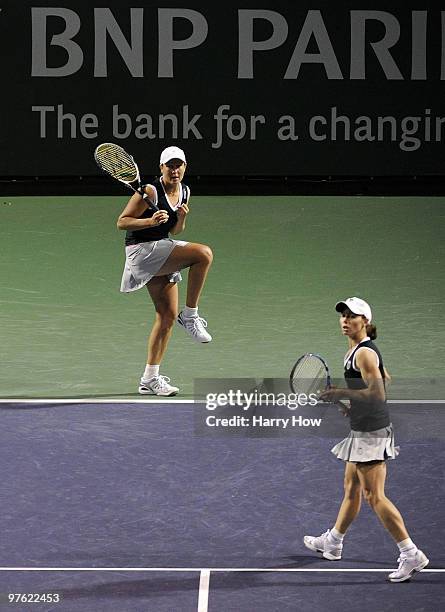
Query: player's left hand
{"x": 183, "y": 210}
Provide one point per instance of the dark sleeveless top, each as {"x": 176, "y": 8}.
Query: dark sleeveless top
{"x": 365, "y": 415}
{"x": 148, "y": 234}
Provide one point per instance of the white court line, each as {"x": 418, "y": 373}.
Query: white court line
{"x": 200, "y": 569}
{"x": 119, "y": 400}
{"x": 432, "y": 401}
{"x": 49, "y": 400}
{"x": 203, "y": 597}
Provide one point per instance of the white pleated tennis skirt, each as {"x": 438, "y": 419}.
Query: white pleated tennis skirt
{"x": 144, "y": 260}
{"x": 362, "y": 446}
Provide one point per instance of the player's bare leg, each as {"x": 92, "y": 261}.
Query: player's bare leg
{"x": 198, "y": 258}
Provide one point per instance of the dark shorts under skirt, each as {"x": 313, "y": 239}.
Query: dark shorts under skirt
{"x": 363, "y": 446}
{"x": 144, "y": 260}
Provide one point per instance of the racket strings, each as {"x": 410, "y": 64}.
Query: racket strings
{"x": 114, "y": 160}
{"x": 309, "y": 376}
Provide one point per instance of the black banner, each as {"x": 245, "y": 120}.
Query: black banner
{"x": 279, "y": 88}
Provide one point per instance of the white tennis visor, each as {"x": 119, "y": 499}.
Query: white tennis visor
{"x": 355, "y": 305}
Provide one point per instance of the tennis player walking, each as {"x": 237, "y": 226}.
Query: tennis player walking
{"x": 369, "y": 444}
{"x": 154, "y": 260}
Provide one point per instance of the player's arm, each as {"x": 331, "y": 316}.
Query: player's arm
{"x": 129, "y": 218}
{"x": 182, "y": 213}
{"x": 366, "y": 361}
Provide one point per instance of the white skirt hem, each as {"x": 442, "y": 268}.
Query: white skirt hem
{"x": 364, "y": 446}
{"x": 144, "y": 260}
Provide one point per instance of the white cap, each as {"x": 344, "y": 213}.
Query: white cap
{"x": 172, "y": 153}
{"x": 355, "y": 305}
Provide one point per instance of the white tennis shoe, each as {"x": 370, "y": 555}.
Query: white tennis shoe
{"x": 195, "y": 327}
{"x": 408, "y": 565}
{"x": 159, "y": 385}
{"x": 323, "y": 544}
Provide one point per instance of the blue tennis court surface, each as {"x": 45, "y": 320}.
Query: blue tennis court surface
{"x": 121, "y": 507}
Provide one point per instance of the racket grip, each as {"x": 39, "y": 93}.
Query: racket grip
{"x": 145, "y": 197}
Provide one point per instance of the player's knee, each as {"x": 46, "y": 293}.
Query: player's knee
{"x": 372, "y": 497}
{"x": 203, "y": 254}
{"x": 206, "y": 253}
{"x": 166, "y": 319}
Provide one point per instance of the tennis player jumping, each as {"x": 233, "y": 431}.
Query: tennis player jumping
{"x": 369, "y": 444}
{"x": 154, "y": 260}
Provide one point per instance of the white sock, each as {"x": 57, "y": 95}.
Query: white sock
{"x": 336, "y": 535}
{"x": 150, "y": 371}
{"x": 190, "y": 312}
{"x": 407, "y": 546}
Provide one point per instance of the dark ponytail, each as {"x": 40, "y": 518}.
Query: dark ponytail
{"x": 371, "y": 330}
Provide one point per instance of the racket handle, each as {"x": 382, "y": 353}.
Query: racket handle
{"x": 144, "y": 196}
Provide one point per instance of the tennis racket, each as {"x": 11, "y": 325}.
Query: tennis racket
{"x": 117, "y": 163}
{"x": 310, "y": 374}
